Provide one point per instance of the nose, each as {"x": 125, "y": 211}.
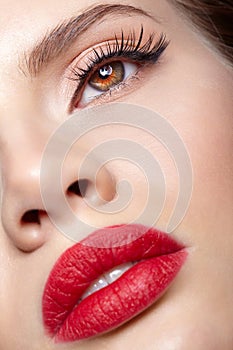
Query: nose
{"x": 24, "y": 218}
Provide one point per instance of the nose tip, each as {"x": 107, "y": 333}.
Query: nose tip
{"x": 24, "y": 218}
{"x": 31, "y": 232}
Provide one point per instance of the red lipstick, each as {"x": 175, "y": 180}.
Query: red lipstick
{"x": 71, "y": 314}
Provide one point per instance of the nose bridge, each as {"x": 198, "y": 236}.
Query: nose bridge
{"x": 24, "y": 131}
{"x": 22, "y": 144}
{"x": 21, "y": 111}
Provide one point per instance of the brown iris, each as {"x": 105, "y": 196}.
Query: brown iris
{"x": 108, "y": 76}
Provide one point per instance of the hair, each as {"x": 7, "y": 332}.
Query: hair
{"x": 215, "y": 20}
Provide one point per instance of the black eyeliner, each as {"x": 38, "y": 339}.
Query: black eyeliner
{"x": 125, "y": 48}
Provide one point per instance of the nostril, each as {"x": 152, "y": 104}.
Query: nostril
{"x": 32, "y": 231}
{"x": 31, "y": 217}
{"x": 79, "y": 188}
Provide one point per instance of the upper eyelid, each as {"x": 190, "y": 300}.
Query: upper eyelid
{"x": 157, "y": 49}
{"x": 64, "y": 35}
{"x": 122, "y": 48}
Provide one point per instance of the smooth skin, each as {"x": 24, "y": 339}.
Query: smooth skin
{"x": 192, "y": 88}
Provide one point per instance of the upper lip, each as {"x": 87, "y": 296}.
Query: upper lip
{"x": 84, "y": 262}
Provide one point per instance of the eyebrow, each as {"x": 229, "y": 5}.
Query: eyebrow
{"x": 57, "y": 40}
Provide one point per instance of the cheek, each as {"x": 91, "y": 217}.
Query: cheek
{"x": 194, "y": 93}
{"x": 184, "y": 335}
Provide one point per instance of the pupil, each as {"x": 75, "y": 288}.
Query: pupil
{"x": 107, "y": 76}
{"x": 105, "y": 72}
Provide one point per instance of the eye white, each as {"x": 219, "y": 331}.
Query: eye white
{"x": 91, "y": 93}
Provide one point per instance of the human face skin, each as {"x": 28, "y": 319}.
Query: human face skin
{"x": 191, "y": 87}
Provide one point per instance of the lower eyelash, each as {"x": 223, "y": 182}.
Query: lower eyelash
{"x": 124, "y": 84}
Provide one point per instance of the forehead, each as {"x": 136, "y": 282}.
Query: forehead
{"x": 26, "y": 23}
{"x": 26, "y": 18}
{"x": 25, "y": 14}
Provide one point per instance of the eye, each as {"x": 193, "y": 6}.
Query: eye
{"x": 106, "y": 69}
{"x": 107, "y": 77}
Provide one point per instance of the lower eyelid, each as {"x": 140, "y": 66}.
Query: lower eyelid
{"x": 128, "y": 85}
{"x": 130, "y": 69}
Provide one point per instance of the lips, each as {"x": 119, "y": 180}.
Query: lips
{"x": 151, "y": 260}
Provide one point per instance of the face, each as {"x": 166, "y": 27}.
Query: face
{"x": 165, "y": 66}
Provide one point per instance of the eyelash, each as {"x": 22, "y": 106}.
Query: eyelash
{"x": 129, "y": 49}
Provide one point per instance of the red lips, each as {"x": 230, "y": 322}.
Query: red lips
{"x": 158, "y": 259}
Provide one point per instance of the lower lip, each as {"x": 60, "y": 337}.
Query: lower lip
{"x": 137, "y": 289}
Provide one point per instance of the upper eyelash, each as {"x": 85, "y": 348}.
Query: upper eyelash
{"x": 124, "y": 48}
{"x": 129, "y": 48}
